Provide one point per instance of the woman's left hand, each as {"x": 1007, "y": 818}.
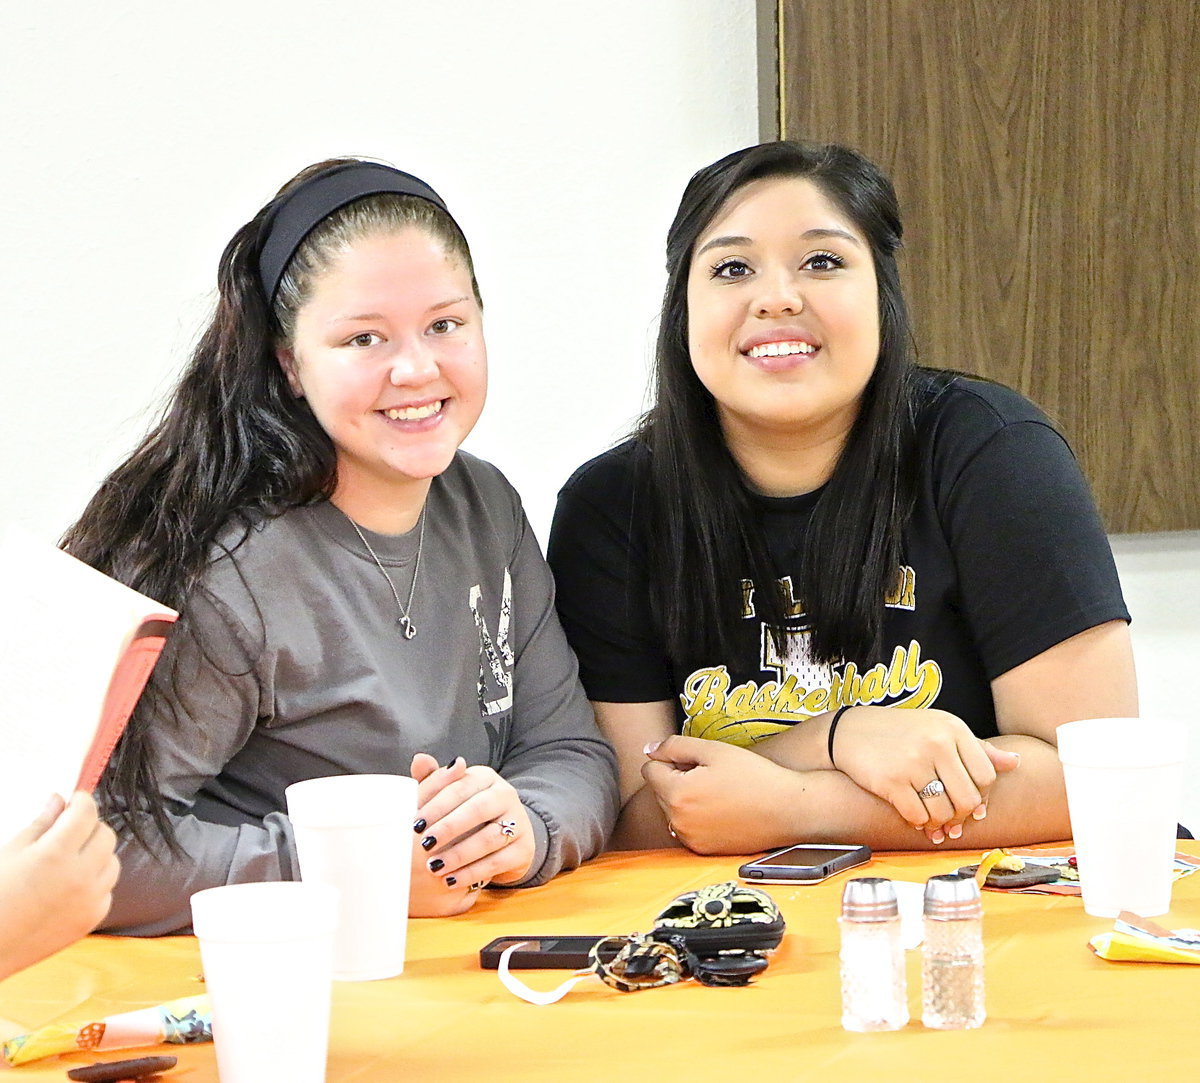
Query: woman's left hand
{"x": 721, "y": 799}
{"x": 895, "y": 754}
{"x": 476, "y": 831}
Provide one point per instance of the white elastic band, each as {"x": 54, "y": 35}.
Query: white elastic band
{"x": 518, "y": 988}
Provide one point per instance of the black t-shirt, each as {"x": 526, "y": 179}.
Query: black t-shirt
{"x": 1003, "y": 557}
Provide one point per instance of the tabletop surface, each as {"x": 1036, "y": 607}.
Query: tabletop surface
{"x": 1054, "y": 1009}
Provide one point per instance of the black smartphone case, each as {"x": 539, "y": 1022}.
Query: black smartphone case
{"x": 820, "y": 872}
{"x": 573, "y": 958}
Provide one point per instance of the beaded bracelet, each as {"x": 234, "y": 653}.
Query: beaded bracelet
{"x": 833, "y": 725}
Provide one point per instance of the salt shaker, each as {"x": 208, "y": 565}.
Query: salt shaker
{"x": 952, "y": 961}
{"x": 874, "y": 992}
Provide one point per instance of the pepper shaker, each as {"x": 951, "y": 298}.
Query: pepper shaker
{"x": 952, "y": 959}
{"x": 874, "y": 991}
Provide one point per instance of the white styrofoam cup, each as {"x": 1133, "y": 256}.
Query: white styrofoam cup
{"x": 355, "y": 833}
{"x": 1124, "y": 781}
{"x": 267, "y": 952}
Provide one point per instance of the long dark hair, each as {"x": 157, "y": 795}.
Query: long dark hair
{"x": 233, "y": 445}
{"x": 708, "y": 525}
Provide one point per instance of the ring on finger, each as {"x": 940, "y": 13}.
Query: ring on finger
{"x": 933, "y": 788}
{"x": 508, "y": 828}
{"x": 477, "y": 886}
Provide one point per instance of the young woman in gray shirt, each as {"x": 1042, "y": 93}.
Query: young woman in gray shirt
{"x": 358, "y": 595}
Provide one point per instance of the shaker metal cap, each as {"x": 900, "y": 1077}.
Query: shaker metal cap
{"x": 951, "y": 896}
{"x": 869, "y": 898}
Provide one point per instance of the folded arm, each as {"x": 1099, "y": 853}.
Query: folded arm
{"x": 723, "y": 799}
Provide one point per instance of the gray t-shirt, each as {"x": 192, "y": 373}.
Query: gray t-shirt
{"x": 289, "y": 664}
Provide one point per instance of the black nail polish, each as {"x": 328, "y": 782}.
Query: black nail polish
{"x": 419, "y": 826}
{"x": 435, "y": 864}
{"x": 453, "y": 760}
{"x": 451, "y": 881}
{"x": 428, "y": 842}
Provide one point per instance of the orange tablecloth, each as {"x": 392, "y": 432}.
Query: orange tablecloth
{"x": 1054, "y": 1010}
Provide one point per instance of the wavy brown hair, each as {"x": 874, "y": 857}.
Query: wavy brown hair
{"x": 233, "y": 445}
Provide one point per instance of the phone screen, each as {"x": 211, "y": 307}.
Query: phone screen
{"x": 804, "y": 855}
{"x": 543, "y": 952}
{"x": 553, "y": 946}
{"x": 803, "y": 864}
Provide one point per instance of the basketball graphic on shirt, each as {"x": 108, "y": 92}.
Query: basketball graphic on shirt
{"x": 791, "y": 685}
{"x": 732, "y": 729}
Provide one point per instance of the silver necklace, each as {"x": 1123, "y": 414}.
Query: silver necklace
{"x": 404, "y": 620}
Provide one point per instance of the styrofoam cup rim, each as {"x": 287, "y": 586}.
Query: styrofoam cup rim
{"x": 1117, "y": 743}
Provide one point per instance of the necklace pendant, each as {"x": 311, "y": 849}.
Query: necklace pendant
{"x": 406, "y": 625}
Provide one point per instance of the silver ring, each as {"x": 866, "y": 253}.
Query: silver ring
{"x": 508, "y": 828}
{"x": 932, "y": 789}
{"x": 477, "y": 886}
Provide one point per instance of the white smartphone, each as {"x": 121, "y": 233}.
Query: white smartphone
{"x": 806, "y": 863}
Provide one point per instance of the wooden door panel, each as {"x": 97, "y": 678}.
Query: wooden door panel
{"x": 1047, "y": 157}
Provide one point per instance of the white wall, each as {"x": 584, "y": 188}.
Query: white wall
{"x": 138, "y": 135}
{"x": 1160, "y": 574}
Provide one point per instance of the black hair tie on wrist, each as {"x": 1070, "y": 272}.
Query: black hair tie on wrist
{"x": 833, "y": 725}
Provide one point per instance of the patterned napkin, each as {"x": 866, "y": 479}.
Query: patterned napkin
{"x": 1059, "y": 859}
{"x": 1136, "y": 939}
{"x": 178, "y": 1022}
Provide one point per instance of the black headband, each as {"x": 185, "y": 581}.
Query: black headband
{"x": 298, "y": 212}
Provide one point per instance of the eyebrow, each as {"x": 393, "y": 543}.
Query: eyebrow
{"x": 364, "y": 317}
{"x": 808, "y": 234}
{"x": 452, "y": 301}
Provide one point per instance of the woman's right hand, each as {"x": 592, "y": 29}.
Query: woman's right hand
{"x": 428, "y": 895}
{"x": 56, "y": 881}
{"x": 895, "y": 753}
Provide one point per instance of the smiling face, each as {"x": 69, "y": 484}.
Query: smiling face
{"x": 783, "y": 320}
{"x": 388, "y": 352}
